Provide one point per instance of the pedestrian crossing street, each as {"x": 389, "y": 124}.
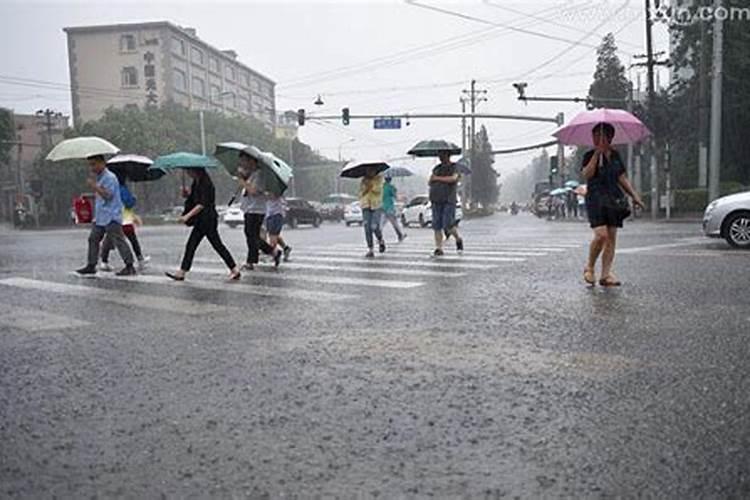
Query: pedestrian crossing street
{"x": 315, "y": 274}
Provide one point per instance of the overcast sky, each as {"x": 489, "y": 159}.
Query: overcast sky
{"x": 376, "y": 57}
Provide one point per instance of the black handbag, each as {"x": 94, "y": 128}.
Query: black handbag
{"x": 618, "y": 205}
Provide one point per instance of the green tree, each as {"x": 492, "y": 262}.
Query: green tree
{"x": 484, "y": 186}
{"x": 7, "y": 134}
{"x": 610, "y": 81}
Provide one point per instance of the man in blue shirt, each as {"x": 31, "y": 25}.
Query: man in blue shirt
{"x": 107, "y": 218}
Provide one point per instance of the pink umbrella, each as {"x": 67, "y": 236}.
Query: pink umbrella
{"x": 628, "y": 128}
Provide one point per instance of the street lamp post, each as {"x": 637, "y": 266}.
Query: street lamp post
{"x": 200, "y": 116}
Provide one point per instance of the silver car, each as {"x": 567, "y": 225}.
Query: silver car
{"x": 729, "y": 218}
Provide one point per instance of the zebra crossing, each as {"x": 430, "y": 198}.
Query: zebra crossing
{"x": 315, "y": 274}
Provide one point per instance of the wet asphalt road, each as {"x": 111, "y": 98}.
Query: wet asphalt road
{"x": 471, "y": 378}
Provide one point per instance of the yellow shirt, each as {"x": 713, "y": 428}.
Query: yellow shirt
{"x": 371, "y": 193}
{"x": 128, "y": 216}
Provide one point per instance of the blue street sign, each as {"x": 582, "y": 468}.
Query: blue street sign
{"x": 387, "y": 123}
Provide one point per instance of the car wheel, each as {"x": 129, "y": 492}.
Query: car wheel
{"x": 317, "y": 222}
{"x": 737, "y": 230}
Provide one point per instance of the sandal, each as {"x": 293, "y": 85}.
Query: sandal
{"x": 589, "y": 277}
{"x": 174, "y": 276}
{"x": 610, "y": 280}
{"x": 234, "y": 276}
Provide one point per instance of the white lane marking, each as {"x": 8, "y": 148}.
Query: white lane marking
{"x": 440, "y": 262}
{"x": 657, "y": 247}
{"x": 328, "y": 280}
{"x": 473, "y": 244}
{"x": 131, "y": 299}
{"x": 34, "y": 320}
{"x": 500, "y": 253}
{"x": 360, "y": 269}
{"x": 231, "y": 287}
{"x": 351, "y": 256}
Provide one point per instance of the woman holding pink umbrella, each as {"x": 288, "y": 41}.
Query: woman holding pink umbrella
{"x": 606, "y": 179}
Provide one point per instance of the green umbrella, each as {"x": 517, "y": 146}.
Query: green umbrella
{"x": 276, "y": 173}
{"x": 282, "y": 174}
{"x": 81, "y": 148}
{"x": 183, "y": 160}
{"x": 433, "y": 148}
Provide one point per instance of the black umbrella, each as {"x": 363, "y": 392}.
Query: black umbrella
{"x": 432, "y": 148}
{"x": 134, "y": 168}
{"x": 354, "y": 169}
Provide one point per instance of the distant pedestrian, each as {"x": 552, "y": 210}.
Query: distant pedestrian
{"x": 606, "y": 204}
{"x": 200, "y": 213}
{"x": 253, "y": 205}
{"x": 443, "y": 197}
{"x": 390, "y": 194}
{"x": 371, "y": 203}
{"x": 129, "y": 221}
{"x": 107, "y": 218}
{"x": 572, "y": 204}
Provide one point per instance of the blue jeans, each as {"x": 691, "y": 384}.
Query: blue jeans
{"x": 443, "y": 216}
{"x": 371, "y": 223}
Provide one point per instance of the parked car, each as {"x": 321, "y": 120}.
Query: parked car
{"x": 334, "y": 205}
{"x": 233, "y": 217}
{"x": 301, "y": 211}
{"x": 353, "y": 214}
{"x": 419, "y": 211}
{"x": 729, "y": 218}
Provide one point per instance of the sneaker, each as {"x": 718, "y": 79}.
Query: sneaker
{"x": 370, "y": 255}
{"x": 105, "y": 267}
{"x": 459, "y": 245}
{"x": 126, "y": 271}
{"x": 174, "y": 276}
{"x": 277, "y": 258}
{"x": 381, "y": 247}
{"x": 438, "y": 252}
{"x": 87, "y": 271}
{"x": 142, "y": 261}
{"x": 287, "y": 252}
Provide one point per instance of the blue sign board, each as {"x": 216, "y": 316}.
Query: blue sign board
{"x": 387, "y": 123}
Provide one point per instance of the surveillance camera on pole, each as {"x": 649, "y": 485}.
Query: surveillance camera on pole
{"x": 521, "y": 88}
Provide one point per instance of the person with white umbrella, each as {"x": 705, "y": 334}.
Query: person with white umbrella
{"x": 107, "y": 218}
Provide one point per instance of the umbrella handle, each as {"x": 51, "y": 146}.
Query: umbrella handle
{"x": 234, "y": 196}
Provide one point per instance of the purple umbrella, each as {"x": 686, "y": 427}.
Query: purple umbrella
{"x": 628, "y": 128}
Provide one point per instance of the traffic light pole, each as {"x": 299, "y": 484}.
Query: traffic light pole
{"x": 454, "y": 116}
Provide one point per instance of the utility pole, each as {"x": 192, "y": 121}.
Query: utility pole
{"x": 716, "y": 103}
{"x": 561, "y": 151}
{"x": 473, "y": 99}
{"x": 46, "y": 117}
{"x": 702, "y": 105}
{"x": 651, "y": 102}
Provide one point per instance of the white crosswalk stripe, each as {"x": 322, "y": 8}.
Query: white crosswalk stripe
{"x": 394, "y": 260}
{"x": 367, "y": 270}
{"x": 398, "y": 250}
{"x": 34, "y": 320}
{"x": 131, "y": 299}
{"x": 322, "y": 279}
{"x": 238, "y": 287}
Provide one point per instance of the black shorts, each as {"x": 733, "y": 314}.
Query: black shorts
{"x": 601, "y": 216}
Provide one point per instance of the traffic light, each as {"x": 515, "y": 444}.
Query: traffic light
{"x": 345, "y": 116}
{"x": 301, "y": 117}
{"x": 553, "y": 167}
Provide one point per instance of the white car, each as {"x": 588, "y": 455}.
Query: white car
{"x": 419, "y": 211}
{"x": 233, "y": 217}
{"x": 729, "y": 218}
{"x": 353, "y": 214}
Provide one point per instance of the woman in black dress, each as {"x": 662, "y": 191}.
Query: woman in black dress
{"x": 200, "y": 212}
{"x": 606, "y": 204}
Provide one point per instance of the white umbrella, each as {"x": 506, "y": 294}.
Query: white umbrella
{"x": 81, "y": 148}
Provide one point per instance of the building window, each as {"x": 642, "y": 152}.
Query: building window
{"x": 178, "y": 47}
{"x": 180, "y": 81}
{"x": 196, "y": 55}
{"x": 149, "y": 71}
{"x": 231, "y": 73}
{"x": 215, "y": 93}
{"x": 127, "y": 43}
{"x": 129, "y": 77}
{"x": 246, "y": 79}
{"x": 244, "y": 105}
{"x": 213, "y": 64}
{"x": 199, "y": 87}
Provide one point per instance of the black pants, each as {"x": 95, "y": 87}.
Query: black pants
{"x": 255, "y": 243}
{"x": 210, "y": 231}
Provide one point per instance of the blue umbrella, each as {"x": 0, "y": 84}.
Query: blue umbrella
{"x": 398, "y": 172}
{"x": 184, "y": 160}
